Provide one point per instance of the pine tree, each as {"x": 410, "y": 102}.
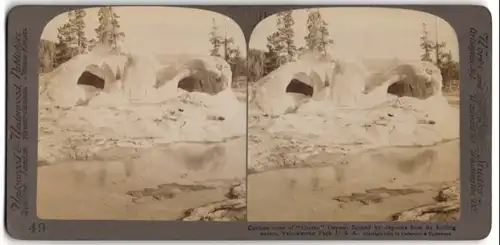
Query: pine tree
{"x": 448, "y": 67}
{"x": 443, "y": 60}
{"x": 78, "y": 26}
{"x": 426, "y": 45}
{"x": 272, "y": 56}
{"x": 440, "y": 55}
{"x": 108, "y": 32}
{"x": 317, "y": 39}
{"x": 285, "y": 24}
{"x": 103, "y": 30}
{"x": 230, "y": 53}
{"x": 71, "y": 37}
{"x": 215, "y": 40}
{"x": 280, "y": 44}
{"x": 227, "y": 44}
{"x": 229, "y": 50}
{"x": 72, "y": 33}
{"x": 325, "y": 40}
{"x": 116, "y": 34}
{"x": 313, "y": 26}
{"x": 64, "y": 50}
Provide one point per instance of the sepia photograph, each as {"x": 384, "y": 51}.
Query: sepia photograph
{"x": 142, "y": 115}
{"x": 353, "y": 115}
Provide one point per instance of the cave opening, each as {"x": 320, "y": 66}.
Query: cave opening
{"x": 203, "y": 83}
{"x": 412, "y": 83}
{"x": 190, "y": 84}
{"x": 90, "y": 79}
{"x": 416, "y": 89}
{"x": 298, "y": 87}
{"x": 400, "y": 89}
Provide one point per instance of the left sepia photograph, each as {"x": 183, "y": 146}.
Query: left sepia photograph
{"x": 142, "y": 116}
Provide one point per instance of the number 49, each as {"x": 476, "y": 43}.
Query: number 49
{"x": 37, "y": 227}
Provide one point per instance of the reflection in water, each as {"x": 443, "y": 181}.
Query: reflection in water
{"x": 413, "y": 161}
{"x": 315, "y": 180}
{"x": 407, "y": 160}
{"x": 166, "y": 162}
{"x": 292, "y": 182}
{"x": 79, "y": 176}
{"x": 422, "y": 160}
{"x": 308, "y": 192}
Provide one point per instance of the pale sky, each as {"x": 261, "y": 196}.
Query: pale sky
{"x": 358, "y": 32}
{"x": 367, "y": 32}
{"x": 160, "y": 30}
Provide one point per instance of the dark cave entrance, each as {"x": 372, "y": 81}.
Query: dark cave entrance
{"x": 416, "y": 89}
{"x": 299, "y": 87}
{"x": 190, "y": 84}
{"x": 203, "y": 83}
{"x": 400, "y": 89}
{"x": 412, "y": 84}
{"x": 90, "y": 79}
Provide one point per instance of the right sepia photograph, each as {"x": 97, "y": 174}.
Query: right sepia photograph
{"x": 353, "y": 115}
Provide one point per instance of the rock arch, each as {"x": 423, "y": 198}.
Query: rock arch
{"x": 193, "y": 75}
{"x": 421, "y": 80}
